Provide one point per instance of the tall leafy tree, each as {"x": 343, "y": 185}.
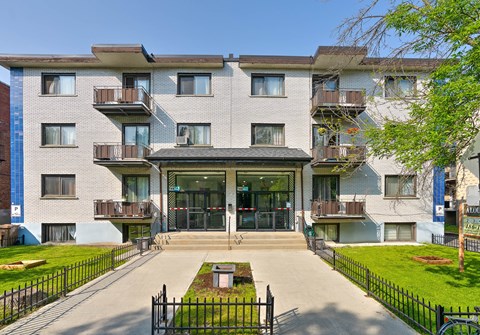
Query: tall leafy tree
{"x": 444, "y": 121}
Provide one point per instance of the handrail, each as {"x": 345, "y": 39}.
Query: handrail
{"x": 121, "y": 95}
{"x": 118, "y": 151}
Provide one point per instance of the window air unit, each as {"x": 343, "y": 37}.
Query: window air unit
{"x": 182, "y": 140}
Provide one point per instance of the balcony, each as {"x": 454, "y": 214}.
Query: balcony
{"x": 322, "y": 209}
{"x": 122, "y": 101}
{"x": 118, "y": 209}
{"x": 338, "y": 155}
{"x": 116, "y": 154}
{"x": 338, "y": 102}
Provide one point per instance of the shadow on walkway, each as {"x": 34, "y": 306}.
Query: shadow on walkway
{"x": 38, "y": 321}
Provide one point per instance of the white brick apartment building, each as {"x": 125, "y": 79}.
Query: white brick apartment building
{"x": 121, "y": 143}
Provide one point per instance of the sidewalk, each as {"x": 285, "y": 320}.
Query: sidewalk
{"x": 310, "y": 298}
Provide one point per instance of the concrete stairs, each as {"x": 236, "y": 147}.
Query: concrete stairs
{"x": 238, "y": 241}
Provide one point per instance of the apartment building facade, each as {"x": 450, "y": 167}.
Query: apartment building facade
{"x": 123, "y": 143}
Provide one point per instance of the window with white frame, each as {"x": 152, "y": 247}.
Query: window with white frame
{"x": 400, "y": 86}
{"x": 268, "y": 134}
{"x": 268, "y": 84}
{"x": 400, "y": 186}
{"x": 399, "y": 231}
{"x": 58, "y": 83}
{"x": 194, "y": 84}
{"x": 58, "y": 186}
{"x": 193, "y": 134}
{"x": 58, "y": 134}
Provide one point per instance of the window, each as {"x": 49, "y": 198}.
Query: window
{"x": 324, "y": 82}
{"x": 58, "y": 232}
{"x": 193, "y": 134}
{"x": 268, "y": 134}
{"x": 400, "y": 186}
{"x": 400, "y": 86}
{"x": 136, "y": 188}
{"x": 399, "y": 231}
{"x": 58, "y": 84}
{"x": 326, "y": 188}
{"x": 136, "y": 134}
{"x": 58, "y": 185}
{"x": 194, "y": 84}
{"x": 137, "y": 80}
{"x": 270, "y": 85}
{"x": 324, "y": 136}
{"x": 58, "y": 134}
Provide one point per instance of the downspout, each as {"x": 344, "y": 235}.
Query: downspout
{"x": 302, "y": 199}
{"x": 161, "y": 196}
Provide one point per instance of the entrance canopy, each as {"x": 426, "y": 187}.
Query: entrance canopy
{"x": 231, "y": 156}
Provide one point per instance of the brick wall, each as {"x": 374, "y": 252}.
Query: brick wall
{"x": 5, "y": 146}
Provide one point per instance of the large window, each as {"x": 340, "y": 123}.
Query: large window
{"x": 136, "y": 188}
{"x": 136, "y": 134}
{"x": 400, "y": 86}
{"x": 58, "y": 134}
{"x": 400, "y": 186}
{"x": 268, "y": 134}
{"x": 193, "y": 134}
{"x": 59, "y": 232}
{"x": 326, "y": 188}
{"x": 194, "y": 84}
{"x": 58, "y": 84}
{"x": 270, "y": 85}
{"x": 58, "y": 185}
{"x": 137, "y": 80}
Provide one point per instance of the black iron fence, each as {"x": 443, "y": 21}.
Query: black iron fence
{"x": 212, "y": 317}
{"x": 24, "y": 299}
{"x": 420, "y": 314}
{"x": 7, "y": 242}
{"x": 452, "y": 241}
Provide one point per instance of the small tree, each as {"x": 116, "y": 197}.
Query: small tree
{"x": 444, "y": 121}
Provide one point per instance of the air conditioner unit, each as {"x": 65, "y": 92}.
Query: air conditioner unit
{"x": 182, "y": 140}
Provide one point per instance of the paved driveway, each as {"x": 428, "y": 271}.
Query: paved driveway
{"x": 310, "y": 298}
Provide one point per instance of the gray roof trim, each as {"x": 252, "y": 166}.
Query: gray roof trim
{"x": 243, "y": 155}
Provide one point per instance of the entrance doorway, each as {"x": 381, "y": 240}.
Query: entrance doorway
{"x": 265, "y": 201}
{"x": 196, "y": 201}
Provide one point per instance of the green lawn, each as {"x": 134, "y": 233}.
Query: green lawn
{"x": 451, "y": 229}
{"x": 440, "y": 284}
{"x": 201, "y": 288}
{"x": 56, "y": 256}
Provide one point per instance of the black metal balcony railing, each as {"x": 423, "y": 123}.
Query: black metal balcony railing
{"x": 119, "y": 152}
{"x": 111, "y": 209}
{"x": 331, "y": 100}
{"x": 115, "y": 100}
{"x": 323, "y": 208}
{"x": 339, "y": 154}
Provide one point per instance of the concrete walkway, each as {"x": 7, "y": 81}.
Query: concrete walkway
{"x": 310, "y": 298}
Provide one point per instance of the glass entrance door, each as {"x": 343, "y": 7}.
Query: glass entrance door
{"x": 197, "y": 211}
{"x": 197, "y": 201}
{"x": 265, "y": 214}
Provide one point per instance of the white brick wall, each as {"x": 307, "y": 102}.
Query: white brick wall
{"x": 230, "y": 110}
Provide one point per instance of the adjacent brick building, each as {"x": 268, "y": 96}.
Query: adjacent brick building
{"x": 123, "y": 143}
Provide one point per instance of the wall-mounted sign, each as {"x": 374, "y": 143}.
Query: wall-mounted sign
{"x": 472, "y": 211}
{"x": 174, "y": 189}
{"x": 471, "y": 225}
{"x": 439, "y": 210}
{"x": 245, "y": 188}
{"x": 16, "y": 211}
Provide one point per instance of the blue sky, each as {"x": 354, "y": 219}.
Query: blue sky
{"x": 255, "y": 27}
